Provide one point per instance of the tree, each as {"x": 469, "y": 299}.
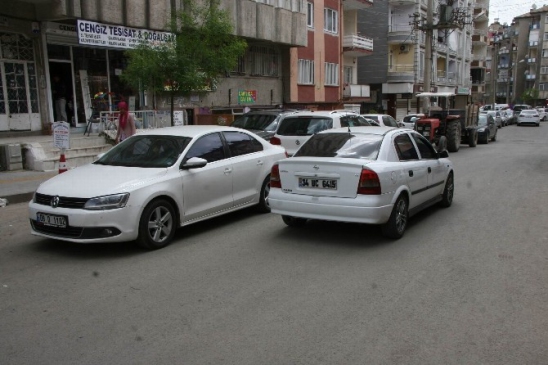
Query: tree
{"x": 203, "y": 49}
{"x": 529, "y": 96}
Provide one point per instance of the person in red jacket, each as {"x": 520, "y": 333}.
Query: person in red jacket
{"x": 126, "y": 123}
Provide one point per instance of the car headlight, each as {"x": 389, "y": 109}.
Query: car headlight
{"x": 114, "y": 201}
{"x": 481, "y": 130}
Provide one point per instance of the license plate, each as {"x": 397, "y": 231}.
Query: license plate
{"x": 426, "y": 134}
{"x": 52, "y": 220}
{"x": 317, "y": 183}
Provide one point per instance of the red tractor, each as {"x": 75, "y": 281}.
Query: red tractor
{"x": 451, "y": 120}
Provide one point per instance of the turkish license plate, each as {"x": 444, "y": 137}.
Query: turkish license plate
{"x": 51, "y": 220}
{"x": 317, "y": 183}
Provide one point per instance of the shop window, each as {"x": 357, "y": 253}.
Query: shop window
{"x": 16, "y": 47}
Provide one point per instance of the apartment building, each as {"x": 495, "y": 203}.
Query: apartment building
{"x": 501, "y": 62}
{"x": 402, "y": 65}
{"x": 43, "y": 38}
{"x": 480, "y": 47}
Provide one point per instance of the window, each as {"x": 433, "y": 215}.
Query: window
{"x": 389, "y": 121}
{"x": 208, "y": 147}
{"x": 331, "y": 20}
{"x": 264, "y": 61}
{"x": 543, "y": 86}
{"x": 546, "y": 36}
{"x": 545, "y": 52}
{"x": 331, "y": 74}
{"x": 405, "y": 148}
{"x": 303, "y": 126}
{"x": 425, "y": 148}
{"x": 544, "y": 70}
{"x": 348, "y": 74}
{"x": 306, "y": 72}
{"x": 240, "y": 66}
{"x": 310, "y": 14}
{"x": 355, "y": 121}
{"x": 241, "y": 144}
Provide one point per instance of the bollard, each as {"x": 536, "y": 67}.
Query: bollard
{"x": 62, "y": 162}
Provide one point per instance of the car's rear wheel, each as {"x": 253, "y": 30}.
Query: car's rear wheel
{"x": 494, "y": 138}
{"x": 157, "y": 225}
{"x": 397, "y": 223}
{"x": 263, "y": 206}
{"x": 293, "y": 221}
{"x": 472, "y": 138}
{"x": 448, "y": 191}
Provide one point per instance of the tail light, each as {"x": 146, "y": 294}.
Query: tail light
{"x": 276, "y": 141}
{"x": 369, "y": 183}
{"x": 275, "y": 181}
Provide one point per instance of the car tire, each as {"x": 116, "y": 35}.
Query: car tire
{"x": 472, "y": 138}
{"x": 397, "y": 223}
{"x": 263, "y": 206}
{"x": 157, "y": 225}
{"x": 448, "y": 191}
{"x": 494, "y": 138}
{"x": 293, "y": 221}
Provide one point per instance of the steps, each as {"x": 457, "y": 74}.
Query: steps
{"x": 43, "y": 156}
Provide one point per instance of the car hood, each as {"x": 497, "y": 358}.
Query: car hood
{"x": 96, "y": 180}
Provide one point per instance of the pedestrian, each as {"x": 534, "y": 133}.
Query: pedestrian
{"x": 126, "y": 123}
{"x": 59, "y": 92}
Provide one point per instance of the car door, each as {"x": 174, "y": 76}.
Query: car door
{"x": 415, "y": 171}
{"x": 434, "y": 167}
{"x": 207, "y": 190}
{"x": 249, "y": 167}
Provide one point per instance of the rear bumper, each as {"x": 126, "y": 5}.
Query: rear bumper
{"x": 357, "y": 210}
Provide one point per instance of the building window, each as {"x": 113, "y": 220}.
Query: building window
{"x": 331, "y": 74}
{"x": 544, "y": 70}
{"x": 543, "y": 86}
{"x": 306, "y": 72}
{"x": 546, "y": 36}
{"x": 545, "y": 52}
{"x": 331, "y": 19}
{"x": 348, "y": 75}
{"x": 240, "y": 66}
{"x": 264, "y": 61}
{"x": 310, "y": 15}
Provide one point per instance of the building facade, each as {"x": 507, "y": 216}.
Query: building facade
{"x": 480, "y": 47}
{"x": 83, "y": 44}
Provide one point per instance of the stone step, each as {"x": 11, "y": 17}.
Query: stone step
{"x": 53, "y": 164}
{"x": 78, "y": 142}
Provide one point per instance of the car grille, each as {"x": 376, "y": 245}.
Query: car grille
{"x": 71, "y": 232}
{"x": 64, "y": 202}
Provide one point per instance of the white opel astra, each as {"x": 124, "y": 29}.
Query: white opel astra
{"x": 374, "y": 175}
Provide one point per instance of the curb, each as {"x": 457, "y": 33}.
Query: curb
{"x": 17, "y": 198}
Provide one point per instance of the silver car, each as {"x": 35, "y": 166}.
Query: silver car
{"x": 529, "y": 116}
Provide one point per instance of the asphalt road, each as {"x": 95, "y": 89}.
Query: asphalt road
{"x": 465, "y": 285}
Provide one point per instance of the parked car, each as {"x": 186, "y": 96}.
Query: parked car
{"x": 509, "y": 115}
{"x": 363, "y": 175}
{"x": 496, "y": 115}
{"x": 529, "y": 116}
{"x": 261, "y": 122}
{"x": 409, "y": 120}
{"x": 487, "y": 128}
{"x": 154, "y": 182}
{"x": 542, "y": 113}
{"x": 384, "y": 120}
{"x": 295, "y": 129}
{"x": 518, "y": 108}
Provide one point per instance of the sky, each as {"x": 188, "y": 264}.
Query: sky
{"x": 506, "y": 10}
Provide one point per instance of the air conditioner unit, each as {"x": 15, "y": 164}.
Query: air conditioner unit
{"x": 404, "y": 48}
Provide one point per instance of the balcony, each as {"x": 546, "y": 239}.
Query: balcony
{"x": 533, "y": 44}
{"x": 401, "y": 73}
{"x": 479, "y": 40}
{"x": 478, "y": 89}
{"x": 481, "y": 14}
{"x": 357, "y": 4}
{"x": 399, "y": 33}
{"x": 451, "y": 78}
{"x": 356, "y": 91}
{"x": 503, "y": 65}
{"x": 478, "y": 64}
{"x": 531, "y": 60}
{"x": 504, "y": 51}
{"x": 530, "y": 77}
{"x": 357, "y": 46}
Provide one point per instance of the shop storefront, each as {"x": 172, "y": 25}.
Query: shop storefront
{"x": 84, "y": 62}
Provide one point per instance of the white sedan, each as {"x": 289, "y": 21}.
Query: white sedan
{"x": 529, "y": 116}
{"x": 154, "y": 182}
{"x": 364, "y": 175}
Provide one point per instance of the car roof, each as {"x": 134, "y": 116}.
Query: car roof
{"x": 188, "y": 130}
{"x": 270, "y": 111}
{"x": 364, "y": 130}
{"x": 324, "y": 113}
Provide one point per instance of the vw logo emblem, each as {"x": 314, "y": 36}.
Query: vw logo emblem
{"x": 315, "y": 167}
{"x": 297, "y": 142}
{"x": 54, "y": 202}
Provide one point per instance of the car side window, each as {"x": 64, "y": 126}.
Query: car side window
{"x": 425, "y": 148}
{"x": 405, "y": 148}
{"x": 209, "y": 147}
{"x": 354, "y": 121}
{"x": 241, "y": 143}
{"x": 389, "y": 121}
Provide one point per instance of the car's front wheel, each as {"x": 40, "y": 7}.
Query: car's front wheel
{"x": 448, "y": 191}
{"x": 397, "y": 223}
{"x": 293, "y": 221}
{"x": 157, "y": 225}
{"x": 263, "y": 206}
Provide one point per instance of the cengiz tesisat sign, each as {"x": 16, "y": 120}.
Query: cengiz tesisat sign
{"x": 117, "y": 36}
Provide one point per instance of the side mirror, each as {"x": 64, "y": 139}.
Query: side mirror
{"x": 193, "y": 163}
{"x": 443, "y": 154}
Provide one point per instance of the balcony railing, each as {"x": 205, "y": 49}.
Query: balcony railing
{"x": 402, "y": 68}
{"x": 530, "y": 77}
{"x": 399, "y": 28}
{"x": 533, "y": 43}
{"x": 355, "y": 45}
{"x": 531, "y": 60}
{"x": 356, "y": 91}
{"x": 357, "y": 4}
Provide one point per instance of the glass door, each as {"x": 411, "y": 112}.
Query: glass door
{"x": 17, "y": 96}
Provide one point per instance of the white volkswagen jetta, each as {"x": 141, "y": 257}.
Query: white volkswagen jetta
{"x": 361, "y": 174}
{"x": 147, "y": 186}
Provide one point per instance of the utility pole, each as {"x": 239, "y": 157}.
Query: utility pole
{"x": 429, "y": 30}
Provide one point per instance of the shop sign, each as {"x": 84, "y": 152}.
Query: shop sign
{"x": 118, "y": 36}
{"x": 463, "y": 91}
{"x": 61, "y": 135}
{"x": 247, "y": 96}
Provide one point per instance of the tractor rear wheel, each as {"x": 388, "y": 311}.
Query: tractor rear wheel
{"x": 453, "y": 135}
{"x": 472, "y": 138}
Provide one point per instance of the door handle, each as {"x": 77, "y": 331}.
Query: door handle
{"x": 429, "y": 170}
{"x": 260, "y": 162}
{"x": 228, "y": 170}
{"x": 411, "y": 173}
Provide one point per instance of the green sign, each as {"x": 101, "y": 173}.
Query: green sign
{"x": 247, "y": 96}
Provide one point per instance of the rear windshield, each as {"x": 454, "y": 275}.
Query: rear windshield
{"x": 344, "y": 145}
{"x": 482, "y": 119}
{"x": 260, "y": 122}
{"x": 303, "y": 126}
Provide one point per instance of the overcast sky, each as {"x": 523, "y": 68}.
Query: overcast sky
{"x": 506, "y": 10}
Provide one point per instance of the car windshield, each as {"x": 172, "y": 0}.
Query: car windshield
{"x": 149, "y": 151}
{"x": 303, "y": 126}
{"x": 261, "y": 122}
{"x": 344, "y": 145}
{"x": 482, "y": 119}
